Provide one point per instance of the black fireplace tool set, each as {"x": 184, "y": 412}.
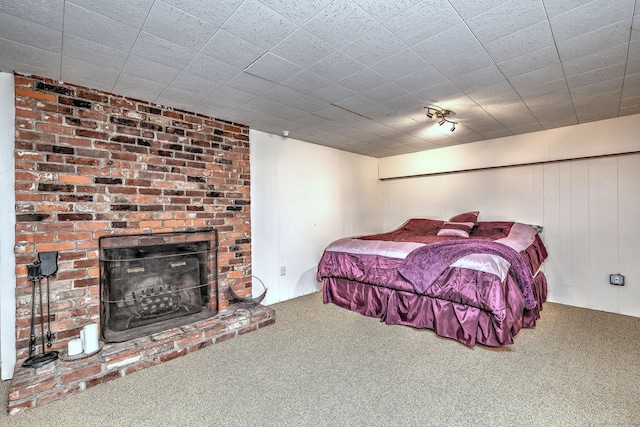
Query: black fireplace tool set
{"x": 46, "y": 266}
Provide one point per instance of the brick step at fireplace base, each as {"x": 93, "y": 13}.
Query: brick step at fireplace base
{"x": 35, "y": 387}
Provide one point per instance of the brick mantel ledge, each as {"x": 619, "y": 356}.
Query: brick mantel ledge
{"x": 35, "y": 387}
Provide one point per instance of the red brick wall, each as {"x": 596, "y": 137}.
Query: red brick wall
{"x": 90, "y": 163}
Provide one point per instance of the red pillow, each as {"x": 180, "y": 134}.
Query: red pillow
{"x": 466, "y": 217}
{"x": 456, "y": 229}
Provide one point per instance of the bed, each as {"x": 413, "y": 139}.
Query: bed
{"x": 468, "y": 280}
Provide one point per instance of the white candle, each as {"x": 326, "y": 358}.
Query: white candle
{"x": 89, "y": 335}
{"x": 74, "y": 347}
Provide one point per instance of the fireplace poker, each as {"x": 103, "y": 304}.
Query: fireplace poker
{"x": 34, "y": 273}
{"x": 48, "y": 267}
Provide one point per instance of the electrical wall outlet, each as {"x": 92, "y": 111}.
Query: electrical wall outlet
{"x": 616, "y": 279}
{"x": 283, "y": 270}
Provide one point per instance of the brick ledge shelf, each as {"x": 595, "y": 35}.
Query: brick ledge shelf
{"x": 35, "y": 387}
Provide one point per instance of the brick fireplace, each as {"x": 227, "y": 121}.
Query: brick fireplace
{"x": 91, "y": 164}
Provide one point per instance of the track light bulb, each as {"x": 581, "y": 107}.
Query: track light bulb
{"x": 441, "y": 122}
{"x": 453, "y": 127}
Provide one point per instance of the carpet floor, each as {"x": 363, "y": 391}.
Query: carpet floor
{"x": 321, "y": 365}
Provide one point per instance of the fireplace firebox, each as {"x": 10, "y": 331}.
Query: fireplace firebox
{"x": 153, "y": 282}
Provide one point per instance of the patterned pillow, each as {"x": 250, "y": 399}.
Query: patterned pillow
{"x": 466, "y": 217}
{"x": 456, "y": 229}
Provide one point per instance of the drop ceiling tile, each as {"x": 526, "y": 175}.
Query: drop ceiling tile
{"x": 613, "y": 55}
{"x": 44, "y": 12}
{"x": 470, "y": 8}
{"x": 385, "y": 92}
{"x": 630, "y": 102}
{"x": 447, "y": 44}
{"x": 259, "y": 25}
{"x": 465, "y": 63}
{"x": 385, "y": 10}
{"x": 299, "y": 13}
{"x": 629, "y": 110}
{"x": 9, "y": 66}
{"x": 399, "y": 65}
{"x": 631, "y": 87}
{"x": 560, "y": 121}
{"x": 29, "y": 56}
{"x": 363, "y": 80}
{"x": 538, "y": 77}
{"x": 544, "y": 89}
{"x": 309, "y": 103}
{"x": 209, "y": 68}
{"x": 486, "y": 93}
{"x": 194, "y": 84}
{"x": 232, "y": 96}
{"x": 529, "y": 62}
{"x": 170, "y": 23}
{"x": 232, "y": 50}
{"x": 437, "y": 93}
{"x": 356, "y": 104}
{"x": 249, "y": 83}
{"x": 608, "y": 86}
{"x": 633, "y": 63}
{"x": 307, "y": 82}
{"x": 153, "y": 71}
{"x": 334, "y": 93}
{"x": 421, "y": 79}
{"x": 374, "y": 46}
{"x": 341, "y": 22}
{"x": 590, "y": 17}
{"x": 138, "y": 87}
{"x": 302, "y": 48}
{"x": 29, "y": 33}
{"x": 177, "y": 98}
{"x": 525, "y": 41}
{"x": 417, "y": 23}
{"x": 287, "y": 113}
{"x": 98, "y": 28}
{"x": 162, "y": 51}
{"x": 129, "y": 12}
{"x": 336, "y": 66}
{"x": 202, "y": 9}
{"x": 479, "y": 79}
{"x": 546, "y": 101}
{"x": 591, "y": 115}
{"x": 511, "y": 16}
{"x": 273, "y": 68}
{"x": 535, "y": 127}
{"x": 594, "y": 41}
{"x": 554, "y": 111}
{"x": 283, "y": 95}
{"x": 597, "y": 76}
{"x": 407, "y": 105}
{"x": 556, "y": 7}
{"x": 88, "y": 74}
{"x": 92, "y": 52}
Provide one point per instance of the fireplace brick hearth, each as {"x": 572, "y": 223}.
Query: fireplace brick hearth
{"x": 92, "y": 164}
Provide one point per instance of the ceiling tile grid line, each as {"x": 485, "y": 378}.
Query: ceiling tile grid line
{"x": 504, "y": 67}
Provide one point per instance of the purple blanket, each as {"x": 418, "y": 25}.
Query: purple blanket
{"x": 425, "y": 264}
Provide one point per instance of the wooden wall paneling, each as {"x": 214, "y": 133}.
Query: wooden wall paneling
{"x": 602, "y": 232}
{"x": 628, "y": 232}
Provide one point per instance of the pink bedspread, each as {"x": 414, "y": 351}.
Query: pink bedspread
{"x": 475, "y": 299}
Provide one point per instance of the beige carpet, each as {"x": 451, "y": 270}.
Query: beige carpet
{"x": 323, "y": 365}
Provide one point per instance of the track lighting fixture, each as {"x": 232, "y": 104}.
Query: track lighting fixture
{"x": 440, "y": 114}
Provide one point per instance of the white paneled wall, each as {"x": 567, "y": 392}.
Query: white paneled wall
{"x": 304, "y": 196}
{"x": 590, "y": 210}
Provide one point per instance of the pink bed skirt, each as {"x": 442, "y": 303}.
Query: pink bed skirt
{"x": 464, "y": 323}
